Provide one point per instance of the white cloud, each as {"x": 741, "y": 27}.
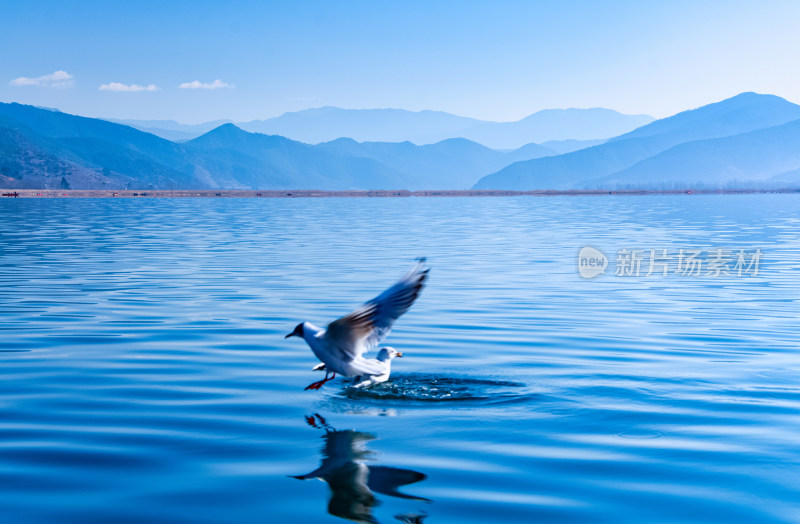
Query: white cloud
{"x": 216, "y": 84}
{"x": 116, "y": 86}
{"x": 58, "y": 79}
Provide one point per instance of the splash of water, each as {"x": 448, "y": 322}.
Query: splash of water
{"x": 436, "y": 388}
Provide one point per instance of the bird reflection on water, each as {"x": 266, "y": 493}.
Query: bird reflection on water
{"x": 352, "y": 482}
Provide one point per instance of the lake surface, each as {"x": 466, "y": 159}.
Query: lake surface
{"x": 145, "y": 377}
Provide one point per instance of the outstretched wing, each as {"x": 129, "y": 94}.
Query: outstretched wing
{"x": 364, "y": 328}
{"x": 387, "y": 480}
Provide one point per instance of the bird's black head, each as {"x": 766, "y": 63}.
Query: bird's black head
{"x": 298, "y": 332}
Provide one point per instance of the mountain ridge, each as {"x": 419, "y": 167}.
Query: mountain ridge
{"x": 49, "y": 150}
{"x": 743, "y": 113}
{"x": 747, "y": 158}
{"x": 324, "y": 124}
{"x": 747, "y": 139}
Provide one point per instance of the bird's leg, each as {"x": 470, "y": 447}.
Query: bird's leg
{"x": 318, "y": 384}
{"x": 316, "y": 420}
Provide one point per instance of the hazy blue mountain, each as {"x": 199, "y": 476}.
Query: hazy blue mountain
{"x": 789, "y": 179}
{"x": 170, "y": 129}
{"x": 49, "y": 150}
{"x": 238, "y": 159}
{"x": 556, "y": 124}
{"x": 25, "y": 161}
{"x": 734, "y": 161}
{"x": 455, "y": 163}
{"x": 324, "y": 124}
{"x": 740, "y": 114}
{"x": 171, "y": 125}
{"x": 528, "y": 152}
{"x": 427, "y": 127}
{"x": 44, "y": 149}
{"x": 748, "y": 139}
{"x": 568, "y": 146}
{"x": 168, "y": 134}
{"x": 41, "y": 147}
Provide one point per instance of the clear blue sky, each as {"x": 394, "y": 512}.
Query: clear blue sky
{"x": 498, "y": 60}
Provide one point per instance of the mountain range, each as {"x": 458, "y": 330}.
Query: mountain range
{"x": 170, "y": 129}
{"x": 324, "y": 124}
{"x": 41, "y": 148}
{"x": 684, "y": 150}
{"x": 744, "y": 160}
{"x": 747, "y": 141}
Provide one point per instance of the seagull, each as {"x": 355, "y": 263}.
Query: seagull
{"x": 342, "y": 344}
{"x": 385, "y": 356}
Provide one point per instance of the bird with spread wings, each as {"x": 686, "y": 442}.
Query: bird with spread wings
{"x": 342, "y": 345}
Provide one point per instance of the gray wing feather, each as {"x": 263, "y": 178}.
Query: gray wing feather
{"x": 364, "y": 328}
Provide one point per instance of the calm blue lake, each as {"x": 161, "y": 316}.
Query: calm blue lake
{"x": 144, "y": 374}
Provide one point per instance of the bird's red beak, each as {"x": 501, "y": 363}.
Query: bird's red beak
{"x": 399, "y": 355}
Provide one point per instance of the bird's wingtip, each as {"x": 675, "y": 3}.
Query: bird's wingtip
{"x": 421, "y": 269}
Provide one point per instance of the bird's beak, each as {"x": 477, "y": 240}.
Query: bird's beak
{"x": 289, "y": 335}
{"x": 399, "y": 355}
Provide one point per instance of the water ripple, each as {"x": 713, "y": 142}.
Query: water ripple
{"x": 145, "y": 377}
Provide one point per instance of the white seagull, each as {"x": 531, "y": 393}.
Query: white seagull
{"x": 342, "y": 344}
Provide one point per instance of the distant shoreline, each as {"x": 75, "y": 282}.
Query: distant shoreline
{"x": 310, "y": 193}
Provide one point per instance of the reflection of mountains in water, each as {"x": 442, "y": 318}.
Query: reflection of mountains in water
{"x": 352, "y": 482}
